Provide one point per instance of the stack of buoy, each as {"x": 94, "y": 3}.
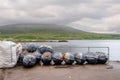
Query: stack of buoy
{"x": 33, "y": 54}
{"x": 29, "y": 56}
{"x": 46, "y": 54}
{"x": 96, "y": 58}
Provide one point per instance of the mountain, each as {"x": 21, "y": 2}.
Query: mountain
{"x": 36, "y": 28}
{"x": 37, "y": 32}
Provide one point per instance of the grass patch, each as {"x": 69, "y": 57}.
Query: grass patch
{"x": 57, "y": 36}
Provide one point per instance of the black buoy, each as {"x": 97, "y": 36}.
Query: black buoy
{"x": 102, "y": 59}
{"x": 46, "y": 58}
{"x": 57, "y": 58}
{"x": 45, "y": 48}
{"x": 68, "y": 58}
{"x": 31, "y": 47}
{"x": 29, "y": 61}
{"x": 91, "y": 60}
{"x": 79, "y": 58}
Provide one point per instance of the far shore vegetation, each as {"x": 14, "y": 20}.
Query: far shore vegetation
{"x": 57, "y": 36}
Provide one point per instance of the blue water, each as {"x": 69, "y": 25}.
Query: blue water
{"x": 74, "y": 46}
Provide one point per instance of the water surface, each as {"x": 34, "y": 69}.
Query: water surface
{"x": 75, "y": 46}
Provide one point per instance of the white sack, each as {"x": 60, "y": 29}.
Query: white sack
{"x": 9, "y": 52}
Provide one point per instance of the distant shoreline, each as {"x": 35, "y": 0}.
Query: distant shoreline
{"x": 42, "y": 41}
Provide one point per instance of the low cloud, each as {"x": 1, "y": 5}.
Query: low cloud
{"x": 88, "y": 15}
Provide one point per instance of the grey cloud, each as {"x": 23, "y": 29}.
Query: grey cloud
{"x": 88, "y": 15}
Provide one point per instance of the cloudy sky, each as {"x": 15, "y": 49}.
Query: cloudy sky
{"x": 89, "y": 15}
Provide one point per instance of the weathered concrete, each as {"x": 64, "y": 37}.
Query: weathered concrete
{"x": 74, "y": 72}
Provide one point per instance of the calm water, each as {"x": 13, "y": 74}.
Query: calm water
{"x": 75, "y": 46}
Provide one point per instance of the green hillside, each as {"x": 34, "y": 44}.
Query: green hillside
{"x": 29, "y": 32}
{"x": 36, "y": 28}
